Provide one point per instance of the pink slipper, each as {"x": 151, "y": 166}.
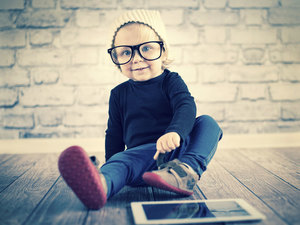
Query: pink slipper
{"x": 82, "y": 177}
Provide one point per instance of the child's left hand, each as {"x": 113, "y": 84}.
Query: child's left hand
{"x": 167, "y": 143}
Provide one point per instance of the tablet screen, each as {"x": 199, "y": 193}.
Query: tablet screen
{"x": 193, "y": 210}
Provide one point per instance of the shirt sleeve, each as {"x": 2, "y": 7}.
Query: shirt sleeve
{"x": 114, "y": 134}
{"x": 183, "y": 106}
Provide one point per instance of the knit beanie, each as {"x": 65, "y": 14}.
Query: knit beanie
{"x": 150, "y": 18}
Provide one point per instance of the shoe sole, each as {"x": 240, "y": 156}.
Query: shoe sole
{"x": 155, "y": 180}
{"x": 82, "y": 177}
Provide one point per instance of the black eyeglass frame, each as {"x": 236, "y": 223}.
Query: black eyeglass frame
{"x": 136, "y": 47}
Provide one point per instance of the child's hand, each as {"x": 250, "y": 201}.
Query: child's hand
{"x": 167, "y": 143}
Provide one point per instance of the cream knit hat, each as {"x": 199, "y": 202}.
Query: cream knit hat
{"x": 151, "y": 18}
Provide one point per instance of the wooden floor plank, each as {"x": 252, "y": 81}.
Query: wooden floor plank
{"x": 217, "y": 183}
{"x": 19, "y": 200}
{"x": 60, "y": 206}
{"x": 293, "y": 154}
{"x": 5, "y": 157}
{"x": 278, "y": 195}
{"x": 277, "y": 164}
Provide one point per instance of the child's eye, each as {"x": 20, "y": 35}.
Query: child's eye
{"x": 126, "y": 53}
{"x": 146, "y": 48}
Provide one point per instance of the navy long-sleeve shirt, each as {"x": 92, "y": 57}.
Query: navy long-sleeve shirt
{"x": 142, "y": 111}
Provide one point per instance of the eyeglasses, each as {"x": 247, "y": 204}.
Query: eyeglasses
{"x": 150, "y": 51}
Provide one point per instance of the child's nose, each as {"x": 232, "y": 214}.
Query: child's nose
{"x": 137, "y": 57}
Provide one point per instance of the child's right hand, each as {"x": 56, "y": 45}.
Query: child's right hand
{"x": 167, "y": 143}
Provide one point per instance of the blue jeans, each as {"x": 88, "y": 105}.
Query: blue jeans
{"x": 197, "y": 150}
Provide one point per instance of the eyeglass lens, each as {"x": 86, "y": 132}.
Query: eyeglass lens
{"x": 149, "y": 51}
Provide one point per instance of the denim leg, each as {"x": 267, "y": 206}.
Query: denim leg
{"x": 200, "y": 146}
{"x": 127, "y": 167}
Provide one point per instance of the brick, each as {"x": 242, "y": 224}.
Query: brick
{"x": 253, "y": 55}
{"x": 217, "y": 111}
{"x": 44, "y": 75}
{"x": 9, "y": 134}
{"x": 172, "y": 17}
{"x": 85, "y": 55}
{"x": 92, "y": 4}
{"x": 43, "y": 4}
{"x": 43, "y": 57}
{"x": 214, "y": 18}
{"x": 253, "y": 92}
{"x": 182, "y": 35}
{"x": 90, "y": 36}
{"x": 285, "y": 54}
{"x": 18, "y": 121}
{"x": 252, "y": 3}
{"x": 187, "y": 72}
{"x": 49, "y": 117}
{"x": 12, "y": 4}
{"x": 5, "y": 20}
{"x": 12, "y": 38}
{"x": 7, "y": 57}
{"x": 133, "y": 4}
{"x": 84, "y": 117}
{"x": 290, "y": 73}
{"x": 172, "y": 4}
{"x": 214, "y": 93}
{"x": 41, "y": 37}
{"x": 290, "y": 111}
{"x": 15, "y": 77}
{"x": 253, "y": 16}
{"x": 215, "y": 35}
{"x": 290, "y": 34}
{"x": 210, "y": 54}
{"x": 215, "y": 4}
{"x": 285, "y": 92}
{"x": 290, "y": 3}
{"x": 43, "y": 19}
{"x": 88, "y": 18}
{"x": 253, "y": 73}
{"x": 252, "y": 111}
{"x": 284, "y": 16}
{"x": 47, "y": 96}
{"x": 253, "y": 36}
{"x": 8, "y": 97}
{"x": 212, "y": 74}
{"x": 90, "y": 96}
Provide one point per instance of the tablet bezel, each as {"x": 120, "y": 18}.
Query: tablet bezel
{"x": 140, "y": 216}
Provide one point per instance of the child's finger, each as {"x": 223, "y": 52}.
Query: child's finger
{"x": 156, "y": 155}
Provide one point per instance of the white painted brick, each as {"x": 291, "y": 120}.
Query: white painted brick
{"x": 214, "y": 93}
{"x": 8, "y": 134}
{"x": 252, "y": 111}
{"x": 253, "y": 55}
{"x": 287, "y": 16}
{"x": 214, "y": 18}
{"x": 85, "y": 55}
{"x": 182, "y": 35}
{"x": 172, "y": 4}
{"x": 133, "y": 4}
{"x": 41, "y": 37}
{"x": 253, "y": 36}
{"x": 290, "y": 111}
{"x": 43, "y": 57}
{"x": 290, "y": 34}
{"x": 7, "y": 57}
{"x": 44, "y": 75}
{"x": 172, "y": 17}
{"x": 215, "y": 35}
{"x": 210, "y": 54}
{"x": 187, "y": 72}
{"x": 252, "y": 3}
{"x": 5, "y": 20}
{"x": 8, "y": 97}
{"x": 89, "y": 75}
{"x": 43, "y": 4}
{"x": 12, "y": 38}
{"x": 43, "y": 18}
{"x": 17, "y": 121}
{"x": 15, "y": 77}
{"x": 47, "y": 96}
{"x": 253, "y": 73}
{"x": 285, "y": 91}
{"x": 92, "y": 4}
{"x": 217, "y": 111}
{"x": 215, "y": 4}
{"x": 90, "y": 96}
{"x": 286, "y": 54}
{"x": 88, "y": 18}
{"x": 49, "y": 117}
{"x": 290, "y": 3}
{"x": 253, "y": 91}
{"x": 212, "y": 74}
{"x": 290, "y": 73}
{"x": 176, "y": 54}
{"x": 84, "y": 117}
{"x": 11, "y": 4}
{"x": 253, "y": 16}
{"x": 88, "y": 36}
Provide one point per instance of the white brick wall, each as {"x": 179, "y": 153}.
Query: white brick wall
{"x": 240, "y": 59}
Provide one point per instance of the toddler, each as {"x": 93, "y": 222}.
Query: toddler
{"x": 153, "y": 136}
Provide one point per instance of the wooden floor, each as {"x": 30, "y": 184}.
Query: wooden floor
{"x": 32, "y": 192}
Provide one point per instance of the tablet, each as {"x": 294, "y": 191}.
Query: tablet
{"x": 193, "y": 211}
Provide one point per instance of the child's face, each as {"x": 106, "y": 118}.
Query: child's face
{"x": 139, "y": 69}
